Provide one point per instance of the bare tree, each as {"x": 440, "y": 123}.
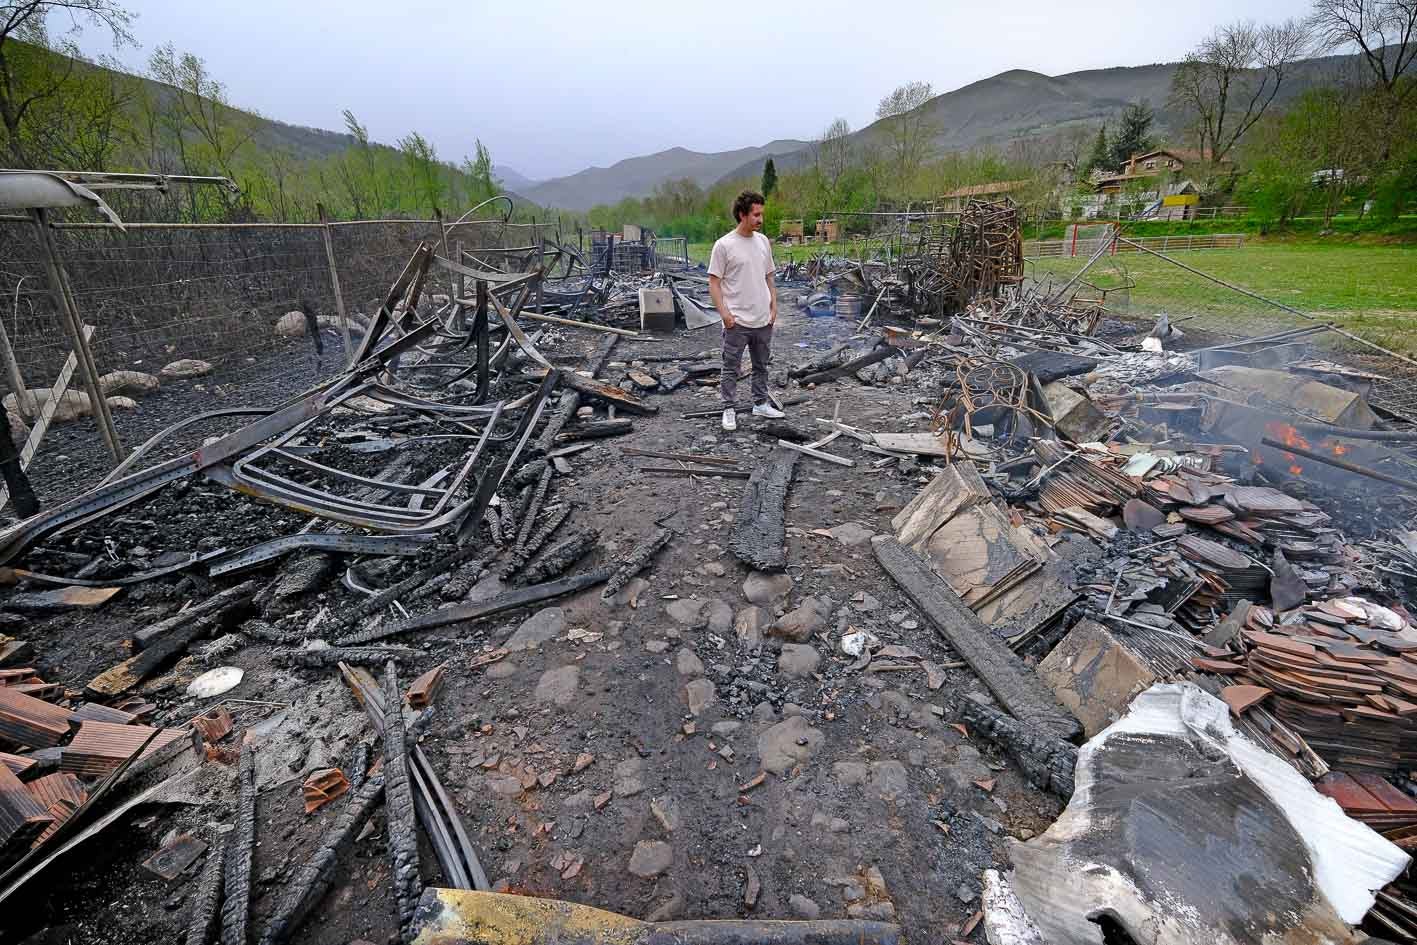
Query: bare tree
{"x": 908, "y": 130}
{"x": 1384, "y": 31}
{"x": 1228, "y": 82}
{"x": 832, "y": 153}
{"x": 21, "y": 88}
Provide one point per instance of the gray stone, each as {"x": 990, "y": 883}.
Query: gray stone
{"x": 798, "y": 659}
{"x": 629, "y": 595}
{"x": 788, "y": 743}
{"x": 726, "y": 727}
{"x": 838, "y": 825}
{"x": 504, "y": 785}
{"x": 764, "y": 712}
{"x": 686, "y": 610}
{"x": 800, "y": 623}
{"x": 699, "y": 693}
{"x": 866, "y": 604}
{"x": 629, "y": 776}
{"x": 803, "y": 907}
{"x": 688, "y": 662}
{"x": 853, "y": 534}
{"x": 485, "y": 589}
{"x": 766, "y": 589}
{"x": 558, "y": 685}
{"x": 666, "y": 811}
{"x": 656, "y": 646}
{"x": 966, "y": 768}
{"x": 719, "y": 615}
{"x": 750, "y": 625}
{"x": 540, "y": 627}
{"x": 849, "y": 773}
{"x": 650, "y": 858}
{"x": 581, "y": 800}
{"x": 888, "y": 779}
{"x": 713, "y": 569}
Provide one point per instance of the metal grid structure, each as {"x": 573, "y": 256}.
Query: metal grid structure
{"x": 157, "y": 293}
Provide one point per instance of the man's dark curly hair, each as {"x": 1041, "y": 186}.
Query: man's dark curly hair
{"x": 743, "y": 203}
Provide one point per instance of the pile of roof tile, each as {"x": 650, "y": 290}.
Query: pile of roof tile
{"x": 50, "y": 748}
{"x": 1342, "y": 673}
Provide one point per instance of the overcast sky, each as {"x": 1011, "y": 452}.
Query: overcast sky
{"x": 553, "y": 87}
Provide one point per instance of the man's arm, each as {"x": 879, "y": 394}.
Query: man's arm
{"x": 716, "y": 293}
{"x": 772, "y": 298}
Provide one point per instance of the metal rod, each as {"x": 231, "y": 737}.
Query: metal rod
{"x": 1337, "y": 463}
{"x": 1260, "y": 298}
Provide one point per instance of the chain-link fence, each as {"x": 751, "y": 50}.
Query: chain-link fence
{"x": 185, "y": 320}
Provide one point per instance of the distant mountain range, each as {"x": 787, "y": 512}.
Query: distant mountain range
{"x": 1011, "y": 105}
{"x": 637, "y": 176}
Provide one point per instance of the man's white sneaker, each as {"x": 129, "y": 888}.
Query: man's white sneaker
{"x": 730, "y": 420}
{"x": 768, "y": 410}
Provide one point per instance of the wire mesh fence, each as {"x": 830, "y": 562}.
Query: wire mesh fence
{"x": 185, "y": 320}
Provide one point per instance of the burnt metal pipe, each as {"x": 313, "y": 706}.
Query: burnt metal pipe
{"x": 1343, "y": 464}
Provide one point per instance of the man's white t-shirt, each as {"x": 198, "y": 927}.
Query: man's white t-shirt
{"x": 744, "y": 264}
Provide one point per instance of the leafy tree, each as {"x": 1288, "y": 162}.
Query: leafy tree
{"x": 832, "y": 155}
{"x": 1134, "y": 133}
{"x": 1226, "y": 84}
{"x": 769, "y": 178}
{"x": 422, "y": 161}
{"x": 29, "y": 80}
{"x": 481, "y": 183}
{"x": 1385, "y": 35}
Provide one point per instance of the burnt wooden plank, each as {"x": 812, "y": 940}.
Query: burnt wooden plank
{"x": 206, "y": 905}
{"x": 310, "y": 883}
{"x": 760, "y": 534}
{"x": 403, "y": 827}
{"x": 1015, "y": 686}
{"x": 624, "y": 400}
{"x": 240, "y": 847}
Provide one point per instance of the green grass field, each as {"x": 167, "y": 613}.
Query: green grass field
{"x": 1370, "y": 289}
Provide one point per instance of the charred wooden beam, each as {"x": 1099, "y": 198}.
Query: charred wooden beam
{"x": 561, "y": 557}
{"x": 359, "y": 767}
{"x": 494, "y": 526}
{"x": 523, "y": 553}
{"x": 240, "y": 846}
{"x": 614, "y": 396}
{"x": 827, "y": 361}
{"x": 305, "y": 890}
{"x": 1016, "y": 687}
{"x": 850, "y": 367}
{"x": 462, "y": 581}
{"x": 696, "y": 471}
{"x": 1045, "y": 759}
{"x": 637, "y": 560}
{"x": 232, "y": 597}
{"x": 760, "y": 533}
{"x": 414, "y": 581}
{"x": 206, "y": 905}
{"x": 533, "y": 507}
{"x": 598, "y": 430}
{"x": 529, "y": 473}
{"x": 571, "y": 400}
{"x": 402, "y": 823}
{"x": 358, "y": 655}
{"x": 118, "y": 679}
{"x": 511, "y": 600}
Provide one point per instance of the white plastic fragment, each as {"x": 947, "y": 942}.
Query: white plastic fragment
{"x": 215, "y": 682}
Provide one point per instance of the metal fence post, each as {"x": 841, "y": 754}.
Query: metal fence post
{"x": 334, "y": 280}
{"x": 69, "y": 314}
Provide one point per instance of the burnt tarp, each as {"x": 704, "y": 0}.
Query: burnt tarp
{"x": 1181, "y": 831}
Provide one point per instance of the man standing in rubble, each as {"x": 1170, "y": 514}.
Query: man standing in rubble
{"x": 741, "y": 285}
